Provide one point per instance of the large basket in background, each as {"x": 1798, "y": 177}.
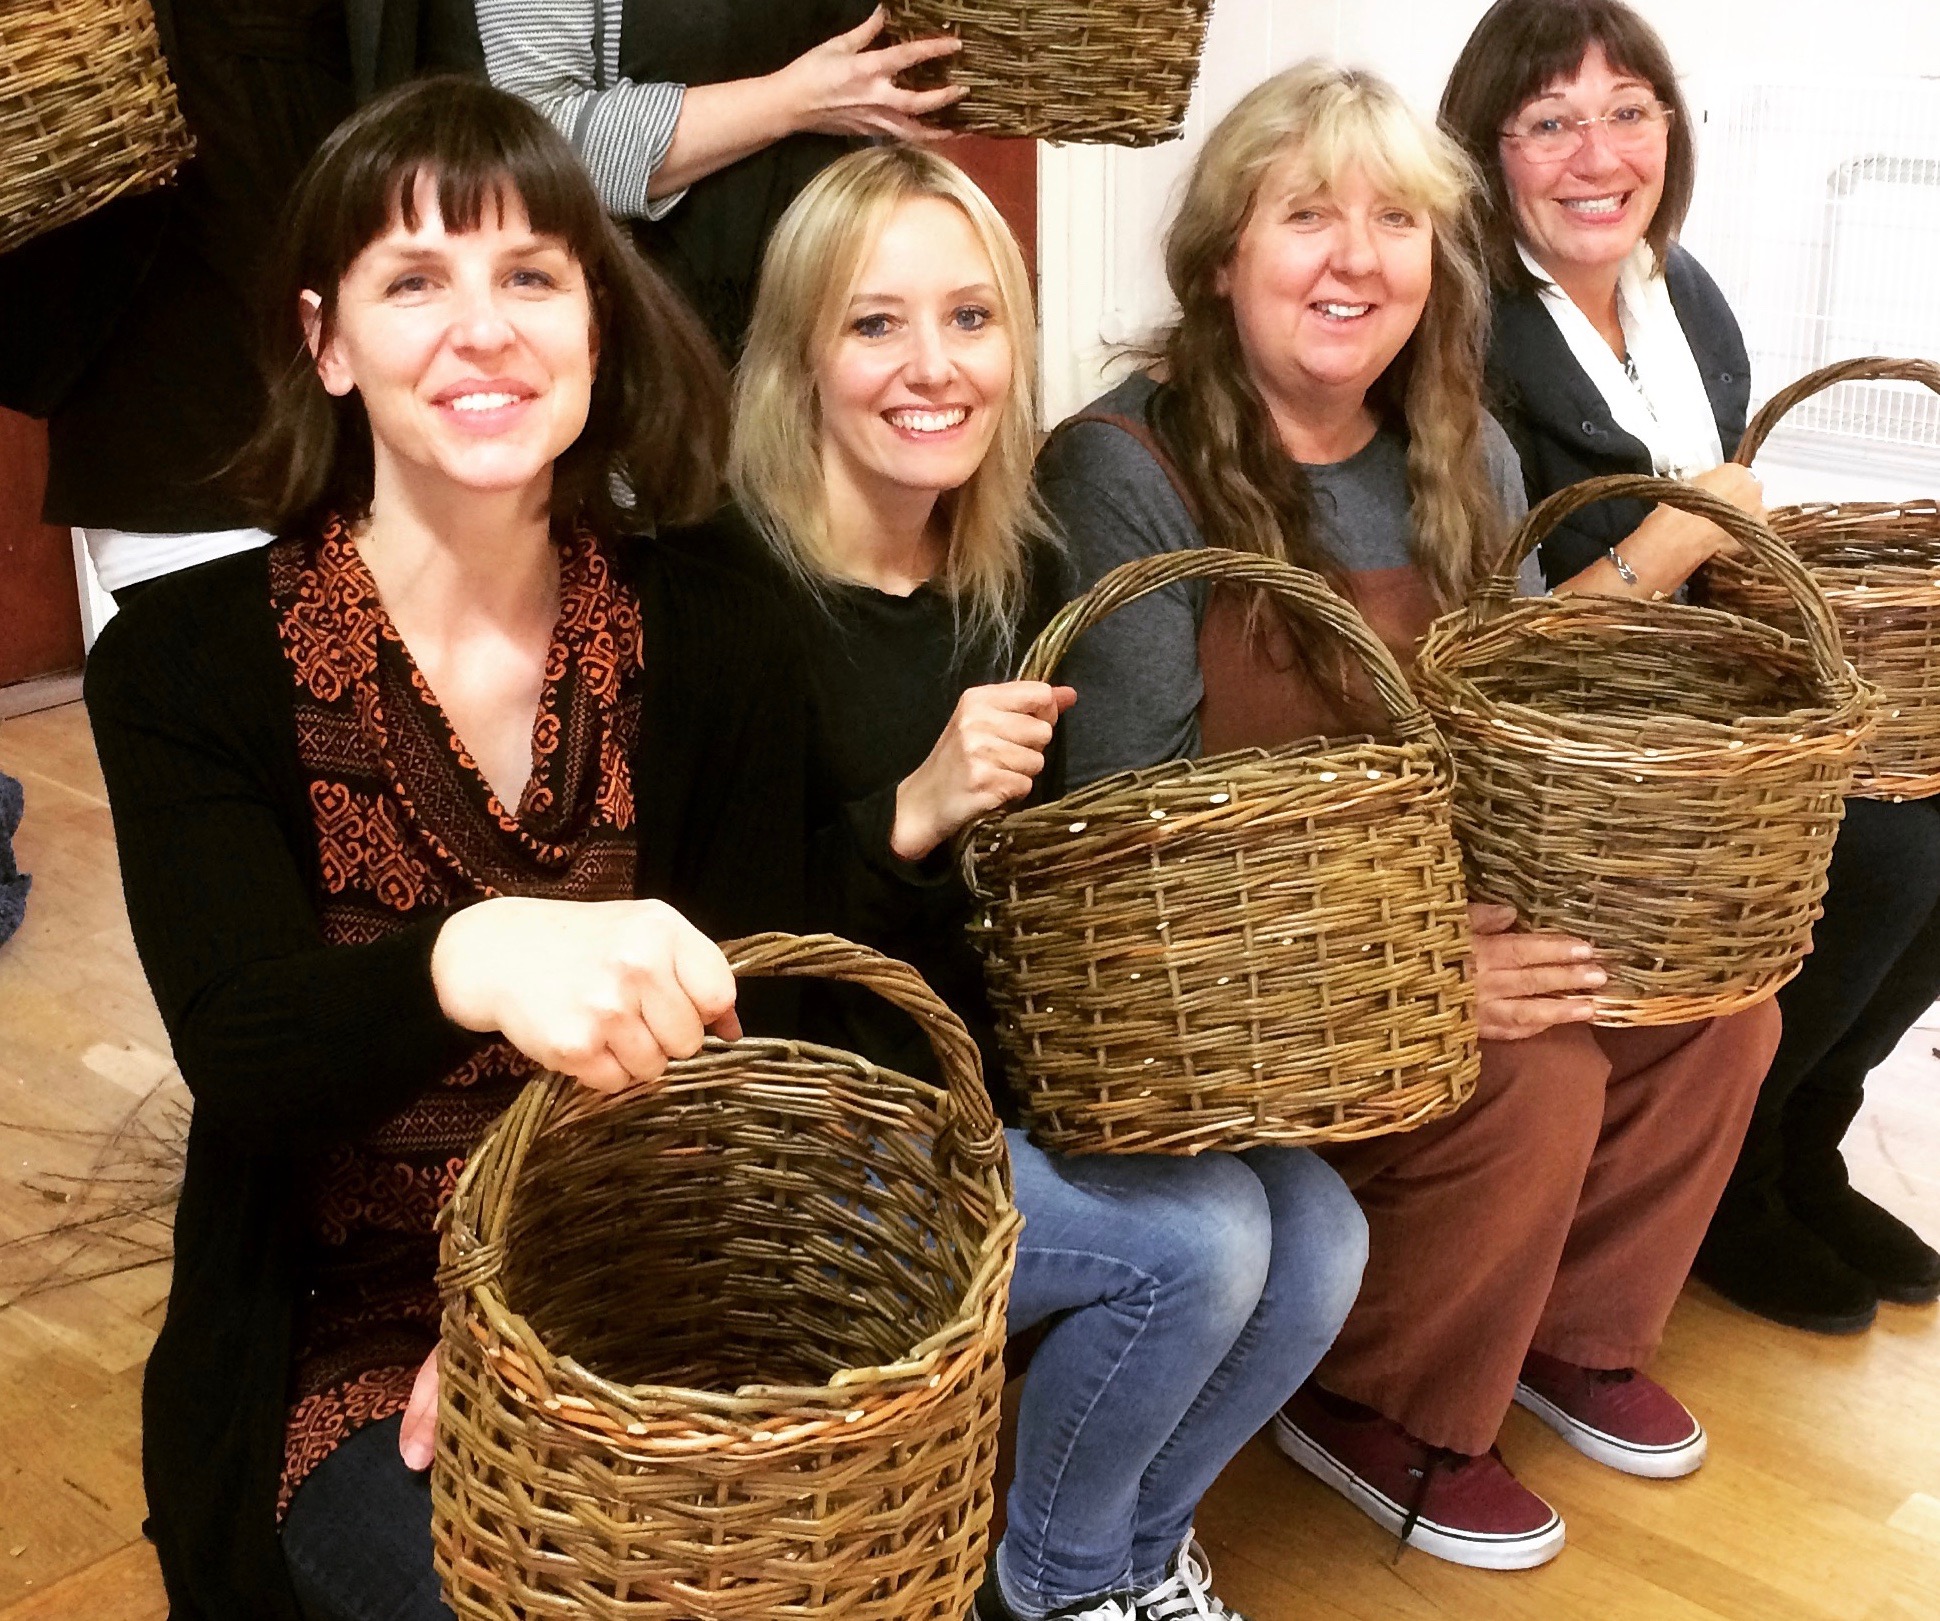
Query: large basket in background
{"x": 1663, "y": 781}
{"x": 1878, "y": 563}
{"x": 87, "y": 111}
{"x": 1116, "y": 71}
{"x": 730, "y": 1346}
{"x": 1263, "y": 946}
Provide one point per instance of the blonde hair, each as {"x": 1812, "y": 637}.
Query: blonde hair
{"x": 1251, "y": 494}
{"x": 813, "y": 263}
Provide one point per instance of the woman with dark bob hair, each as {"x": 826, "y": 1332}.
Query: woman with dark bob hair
{"x": 374, "y": 793}
{"x": 1613, "y": 352}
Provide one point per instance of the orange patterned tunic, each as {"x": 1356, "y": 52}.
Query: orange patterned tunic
{"x": 406, "y": 827}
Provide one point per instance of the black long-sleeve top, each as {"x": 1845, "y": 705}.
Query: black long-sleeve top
{"x": 884, "y": 674}
{"x": 290, "y": 1046}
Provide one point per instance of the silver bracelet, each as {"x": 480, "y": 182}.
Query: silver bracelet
{"x": 1625, "y": 572}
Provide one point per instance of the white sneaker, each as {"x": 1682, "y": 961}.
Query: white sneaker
{"x": 1185, "y": 1595}
{"x": 1112, "y": 1607}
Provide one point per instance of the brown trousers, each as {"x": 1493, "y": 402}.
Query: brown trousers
{"x": 1559, "y": 1208}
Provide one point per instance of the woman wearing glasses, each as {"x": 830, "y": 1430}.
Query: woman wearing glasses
{"x": 1613, "y": 352}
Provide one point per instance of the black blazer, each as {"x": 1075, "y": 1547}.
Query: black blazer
{"x": 1563, "y": 430}
{"x": 289, "y": 1045}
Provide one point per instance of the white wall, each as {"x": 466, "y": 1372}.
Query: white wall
{"x": 1102, "y": 209}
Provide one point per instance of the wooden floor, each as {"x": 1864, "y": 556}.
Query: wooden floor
{"x": 1820, "y": 1502}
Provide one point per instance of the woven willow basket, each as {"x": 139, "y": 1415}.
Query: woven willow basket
{"x": 87, "y": 111}
{"x": 730, "y": 1346}
{"x": 1878, "y": 563}
{"x": 1264, "y": 946}
{"x": 1663, "y": 781}
{"x": 1116, "y": 71}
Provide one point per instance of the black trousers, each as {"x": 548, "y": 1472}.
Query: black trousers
{"x": 1874, "y": 969}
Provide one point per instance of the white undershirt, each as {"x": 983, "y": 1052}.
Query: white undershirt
{"x": 123, "y": 558}
{"x": 1664, "y": 404}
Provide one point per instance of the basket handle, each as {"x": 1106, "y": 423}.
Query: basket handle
{"x": 976, "y": 1134}
{"x": 1867, "y": 369}
{"x": 1821, "y": 633}
{"x": 1306, "y": 593}
{"x": 474, "y": 1251}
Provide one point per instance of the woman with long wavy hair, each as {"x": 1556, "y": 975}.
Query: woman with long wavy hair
{"x": 1318, "y": 399}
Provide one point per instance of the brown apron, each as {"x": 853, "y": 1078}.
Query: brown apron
{"x": 1258, "y": 692}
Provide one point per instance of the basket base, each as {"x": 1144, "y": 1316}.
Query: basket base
{"x": 1627, "y": 1012}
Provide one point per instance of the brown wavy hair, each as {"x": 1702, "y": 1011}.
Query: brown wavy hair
{"x": 656, "y": 426}
{"x": 1518, "y": 50}
{"x": 1251, "y": 494}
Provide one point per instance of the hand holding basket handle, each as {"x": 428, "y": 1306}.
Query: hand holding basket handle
{"x": 1498, "y": 592}
{"x": 988, "y": 756}
{"x": 604, "y": 991}
{"x": 1867, "y": 369}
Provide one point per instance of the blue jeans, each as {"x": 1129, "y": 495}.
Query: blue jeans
{"x": 357, "y": 1539}
{"x": 1192, "y": 1297}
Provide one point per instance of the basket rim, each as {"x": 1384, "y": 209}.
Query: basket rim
{"x": 753, "y": 1418}
{"x": 1419, "y": 772}
{"x": 1196, "y": 771}
{"x": 1459, "y": 703}
{"x": 1840, "y": 581}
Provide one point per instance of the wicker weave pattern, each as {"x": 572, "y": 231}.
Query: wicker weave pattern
{"x": 1878, "y": 563}
{"x": 1116, "y": 71}
{"x": 731, "y": 1346}
{"x": 1661, "y": 780}
{"x": 1257, "y": 947}
{"x": 87, "y": 111}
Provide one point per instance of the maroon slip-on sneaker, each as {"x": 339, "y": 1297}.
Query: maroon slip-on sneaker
{"x": 1466, "y": 1509}
{"x": 1617, "y": 1416}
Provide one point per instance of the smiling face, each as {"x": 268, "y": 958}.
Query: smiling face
{"x": 1326, "y": 285}
{"x": 472, "y": 351}
{"x": 913, "y": 387}
{"x": 1588, "y": 211}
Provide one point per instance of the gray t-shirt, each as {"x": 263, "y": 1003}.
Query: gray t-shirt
{"x": 1137, "y": 673}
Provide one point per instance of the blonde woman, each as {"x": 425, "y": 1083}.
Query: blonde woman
{"x": 1321, "y": 403}
{"x": 881, "y": 448}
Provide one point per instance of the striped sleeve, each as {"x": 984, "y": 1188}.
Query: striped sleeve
{"x": 563, "y": 56}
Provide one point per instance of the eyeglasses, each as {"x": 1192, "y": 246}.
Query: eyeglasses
{"x": 1629, "y": 127}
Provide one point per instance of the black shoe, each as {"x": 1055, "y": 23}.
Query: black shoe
{"x": 1769, "y": 1263}
{"x": 1902, "y": 1266}
{"x": 990, "y": 1605}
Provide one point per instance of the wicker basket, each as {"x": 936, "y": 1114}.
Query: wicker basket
{"x": 730, "y": 1346}
{"x": 1117, "y": 71}
{"x": 1878, "y": 563}
{"x": 87, "y": 111}
{"x": 1663, "y": 781}
{"x": 1263, "y": 946}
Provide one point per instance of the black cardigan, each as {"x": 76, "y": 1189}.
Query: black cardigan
{"x": 289, "y": 1045}
{"x": 1561, "y": 426}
